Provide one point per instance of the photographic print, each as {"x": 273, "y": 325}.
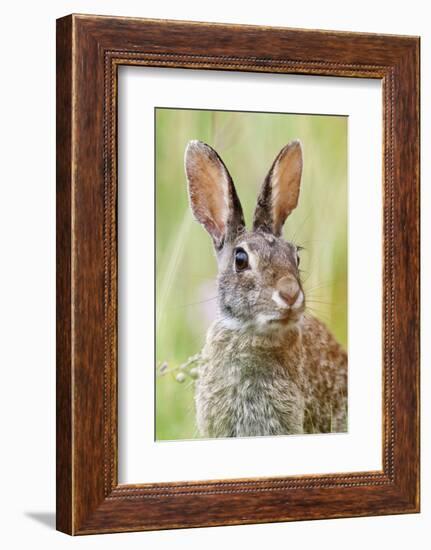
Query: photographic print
{"x": 251, "y": 301}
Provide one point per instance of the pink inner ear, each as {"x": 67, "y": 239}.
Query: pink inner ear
{"x": 286, "y": 181}
{"x": 208, "y": 187}
{"x": 210, "y": 209}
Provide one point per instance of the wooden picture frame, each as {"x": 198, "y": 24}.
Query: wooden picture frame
{"x": 89, "y": 51}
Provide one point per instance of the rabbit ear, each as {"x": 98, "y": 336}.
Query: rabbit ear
{"x": 280, "y": 190}
{"x": 213, "y": 198}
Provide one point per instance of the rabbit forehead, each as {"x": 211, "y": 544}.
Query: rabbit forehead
{"x": 266, "y": 248}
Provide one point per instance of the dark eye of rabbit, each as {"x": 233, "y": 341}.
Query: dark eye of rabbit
{"x": 241, "y": 259}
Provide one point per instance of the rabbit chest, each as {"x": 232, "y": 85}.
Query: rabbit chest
{"x": 249, "y": 386}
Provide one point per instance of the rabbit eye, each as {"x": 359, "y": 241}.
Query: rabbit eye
{"x": 241, "y": 259}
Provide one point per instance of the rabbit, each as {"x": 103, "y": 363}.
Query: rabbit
{"x": 267, "y": 366}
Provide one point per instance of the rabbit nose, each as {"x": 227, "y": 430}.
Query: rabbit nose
{"x": 288, "y": 288}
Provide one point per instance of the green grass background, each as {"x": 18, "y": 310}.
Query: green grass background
{"x": 185, "y": 262}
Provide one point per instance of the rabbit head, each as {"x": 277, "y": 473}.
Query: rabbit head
{"x": 259, "y": 287}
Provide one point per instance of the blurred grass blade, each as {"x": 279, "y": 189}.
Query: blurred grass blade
{"x": 170, "y": 273}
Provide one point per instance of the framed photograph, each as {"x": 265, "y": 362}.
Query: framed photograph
{"x": 237, "y": 274}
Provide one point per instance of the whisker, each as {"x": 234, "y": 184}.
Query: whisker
{"x": 330, "y": 306}
{"x": 315, "y": 313}
{"x": 320, "y": 302}
{"x": 320, "y": 299}
{"x": 193, "y": 303}
{"x": 320, "y": 242}
{"x": 322, "y": 285}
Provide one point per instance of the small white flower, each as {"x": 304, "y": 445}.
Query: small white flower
{"x": 180, "y": 377}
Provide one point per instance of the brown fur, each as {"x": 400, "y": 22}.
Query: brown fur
{"x": 267, "y": 368}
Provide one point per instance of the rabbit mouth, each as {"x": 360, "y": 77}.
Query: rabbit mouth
{"x": 291, "y": 318}
{"x": 281, "y": 321}
{"x": 265, "y": 323}
{"x": 287, "y": 316}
